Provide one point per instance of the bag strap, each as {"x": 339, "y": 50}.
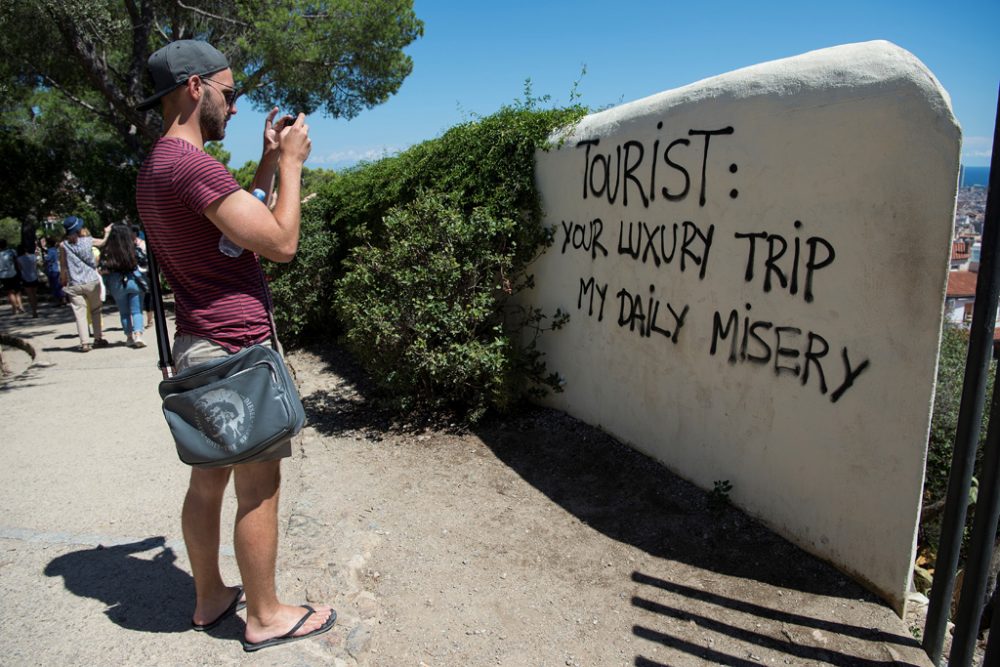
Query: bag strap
{"x": 166, "y": 362}
{"x": 85, "y": 256}
{"x": 269, "y": 306}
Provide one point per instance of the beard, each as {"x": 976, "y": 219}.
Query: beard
{"x": 213, "y": 122}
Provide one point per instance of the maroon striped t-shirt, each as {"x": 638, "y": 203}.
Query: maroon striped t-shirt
{"x": 217, "y": 297}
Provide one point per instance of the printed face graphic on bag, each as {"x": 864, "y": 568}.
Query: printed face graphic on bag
{"x": 225, "y": 417}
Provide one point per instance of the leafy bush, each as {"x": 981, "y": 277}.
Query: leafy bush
{"x": 944, "y": 422}
{"x": 420, "y": 253}
{"x": 10, "y": 229}
{"x": 947, "y": 400}
{"x": 419, "y": 312}
{"x": 301, "y": 289}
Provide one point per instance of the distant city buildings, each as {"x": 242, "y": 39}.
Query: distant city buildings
{"x": 970, "y": 213}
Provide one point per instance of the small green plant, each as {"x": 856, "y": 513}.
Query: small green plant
{"x": 718, "y": 497}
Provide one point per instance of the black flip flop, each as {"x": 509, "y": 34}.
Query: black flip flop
{"x": 238, "y": 603}
{"x": 288, "y": 636}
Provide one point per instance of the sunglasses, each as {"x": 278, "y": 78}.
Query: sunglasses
{"x": 228, "y": 95}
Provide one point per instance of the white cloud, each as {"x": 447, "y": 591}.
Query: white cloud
{"x": 977, "y": 147}
{"x": 351, "y": 156}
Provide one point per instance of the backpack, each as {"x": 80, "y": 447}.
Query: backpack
{"x": 140, "y": 256}
{"x": 8, "y": 264}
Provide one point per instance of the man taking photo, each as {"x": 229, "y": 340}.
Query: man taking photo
{"x": 188, "y": 201}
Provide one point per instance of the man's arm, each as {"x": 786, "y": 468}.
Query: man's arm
{"x": 99, "y": 242}
{"x": 268, "y": 166}
{"x": 249, "y": 223}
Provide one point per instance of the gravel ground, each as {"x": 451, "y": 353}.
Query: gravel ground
{"x": 533, "y": 540}
{"x": 538, "y": 540}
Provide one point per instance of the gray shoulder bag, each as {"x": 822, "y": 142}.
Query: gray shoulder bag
{"x": 229, "y": 410}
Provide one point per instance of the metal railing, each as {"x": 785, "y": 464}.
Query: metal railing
{"x": 974, "y": 583}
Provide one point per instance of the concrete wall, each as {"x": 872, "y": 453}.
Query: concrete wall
{"x": 755, "y": 268}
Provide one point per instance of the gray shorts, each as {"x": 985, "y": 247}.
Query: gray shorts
{"x": 191, "y": 351}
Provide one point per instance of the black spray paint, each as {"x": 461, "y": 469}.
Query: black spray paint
{"x": 673, "y": 169}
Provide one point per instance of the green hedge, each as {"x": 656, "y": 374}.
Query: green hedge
{"x": 947, "y": 400}
{"x": 413, "y": 259}
{"x": 944, "y": 422}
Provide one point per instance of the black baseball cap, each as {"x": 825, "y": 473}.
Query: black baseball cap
{"x": 175, "y": 63}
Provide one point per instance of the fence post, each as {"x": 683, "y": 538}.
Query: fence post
{"x": 977, "y": 565}
{"x": 969, "y": 417}
{"x": 993, "y": 643}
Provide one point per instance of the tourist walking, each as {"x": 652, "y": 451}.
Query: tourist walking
{"x": 143, "y": 259}
{"x": 51, "y": 266}
{"x": 27, "y": 264}
{"x": 81, "y": 282}
{"x": 119, "y": 265}
{"x": 9, "y": 277}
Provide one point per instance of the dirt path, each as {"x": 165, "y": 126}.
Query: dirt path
{"x": 541, "y": 541}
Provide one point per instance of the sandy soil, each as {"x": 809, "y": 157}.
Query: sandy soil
{"x": 537, "y": 540}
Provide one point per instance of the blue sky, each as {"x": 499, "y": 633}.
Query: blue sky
{"x": 475, "y": 56}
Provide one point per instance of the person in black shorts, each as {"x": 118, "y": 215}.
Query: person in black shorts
{"x": 10, "y": 280}
{"x": 27, "y": 268}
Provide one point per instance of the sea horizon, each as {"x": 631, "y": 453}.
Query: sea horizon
{"x": 971, "y": 176}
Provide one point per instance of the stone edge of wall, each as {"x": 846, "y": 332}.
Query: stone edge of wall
{"x": 872, "y": 68}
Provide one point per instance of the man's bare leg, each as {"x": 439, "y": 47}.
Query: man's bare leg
{"x": 256, "y": 542}
{"x": 200, "y": 521}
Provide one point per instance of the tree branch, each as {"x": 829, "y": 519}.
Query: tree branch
{"x": 97, "y": 72}
{"x": 66, "y": 93}
{"x": 73, "y": 98}
{"x": 210, "y": 15}
{"x": 133, "y": 11}
{"x": 931, "y": 511}
{"x": 162, "y": 33}
{"x": 142, "y": 24}
{"x": 254, "y": 79}
{"x": 108, "y": 117}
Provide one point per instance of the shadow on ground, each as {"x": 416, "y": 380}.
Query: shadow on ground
{"x": 352, "y": 407}
{"x": 142, "y": 594}
{"x": 607, "y": 485}
{"x": 748, "y": 637}
{"x": 635, "y": 500}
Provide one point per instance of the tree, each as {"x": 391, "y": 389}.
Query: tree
{"x": 87, "y": 59}
{"x": 57, "y": 158}
{"x": 340, "y": 57}
{"x": 215, "y": 149}
{"x": 312, "y": 179}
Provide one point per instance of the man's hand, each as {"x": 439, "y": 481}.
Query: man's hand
{"x": 246, "y": 221}
{"x": 293, "y": 141}
{"x": 272, "y": 129}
